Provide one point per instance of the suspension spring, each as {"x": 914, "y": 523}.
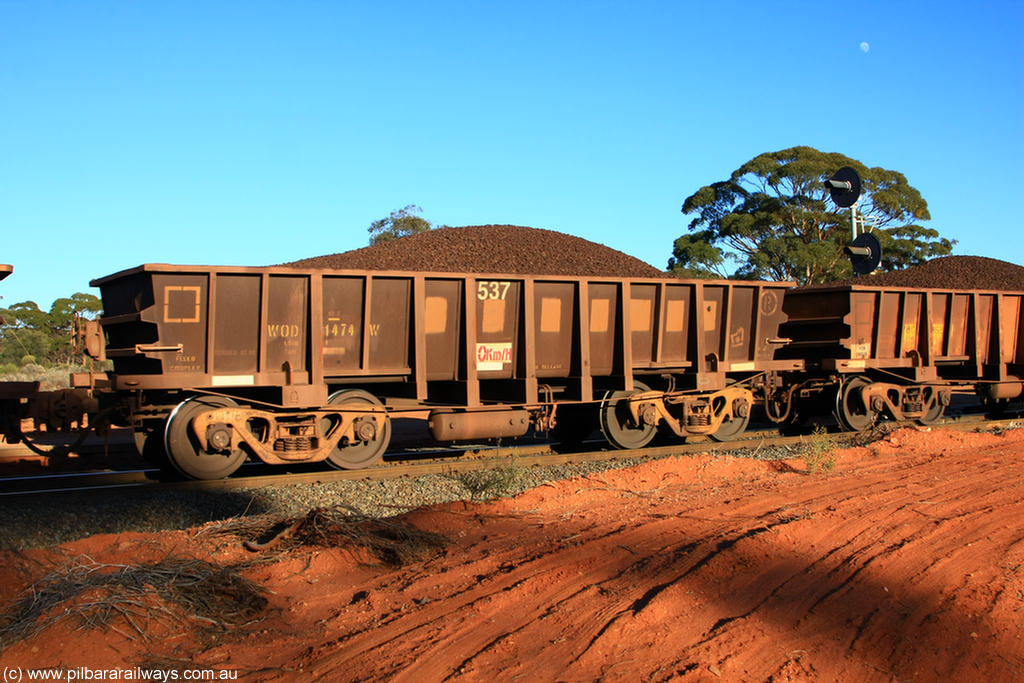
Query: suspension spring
{"x": 290, "y": 444}
{"x": 698, "y": 420}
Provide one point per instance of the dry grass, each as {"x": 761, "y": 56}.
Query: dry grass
{"x": 488, "y": 484}
{"x": 392, "y": 542}
{"x": 97, "y": 595}
{"x": 879, "y": 430}
{"x": 49, "y": 378}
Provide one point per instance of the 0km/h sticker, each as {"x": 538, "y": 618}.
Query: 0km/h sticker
{"x": 493, "y": 356}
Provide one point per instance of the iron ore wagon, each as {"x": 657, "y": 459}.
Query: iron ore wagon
{"x": 213, "y": 364}
{"x": 900, "y": 352}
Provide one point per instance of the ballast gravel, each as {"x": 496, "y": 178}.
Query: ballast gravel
{"x": 40, "y": 521}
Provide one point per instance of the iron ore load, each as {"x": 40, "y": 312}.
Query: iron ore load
{"x": 299, "y": 364}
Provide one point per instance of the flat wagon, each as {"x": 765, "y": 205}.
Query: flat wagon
{"x": 214, "y": 364}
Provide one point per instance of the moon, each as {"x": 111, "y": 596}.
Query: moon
{"x": 864, "y": 47}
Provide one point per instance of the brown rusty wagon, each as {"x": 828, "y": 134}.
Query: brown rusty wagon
{"x": 901, "y": 352}
{"x": 214, "y": 364}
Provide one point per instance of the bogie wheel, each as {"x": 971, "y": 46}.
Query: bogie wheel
{"x": 934, "y": 413}
{"x": 850, "y": 410}
{"x": 731, "y": 429}
{"x": 361, "y": 453}
{"x": 183, "y": 449}
{"x": 617, "y": 423}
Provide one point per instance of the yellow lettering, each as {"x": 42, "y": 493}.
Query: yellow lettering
{"x": 338, "y": 329}
{"x": 279, "y": 330}
{"x": 492, "y": 289}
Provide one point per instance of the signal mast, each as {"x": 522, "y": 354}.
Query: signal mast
{"x": 865, "y": 251}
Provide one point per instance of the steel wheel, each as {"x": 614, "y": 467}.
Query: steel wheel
{"x": 617, "y": 423}
{"x": 730, "y": 429}
{"x": 183, "y": 448}
{"x": 361, "y": 453}
{"x": 850, "y": 410}
{"x": 934, "y": 413}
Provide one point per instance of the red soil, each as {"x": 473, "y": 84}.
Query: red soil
{"x": 905, "y": 562}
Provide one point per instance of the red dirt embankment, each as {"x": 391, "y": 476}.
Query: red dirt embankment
{"x": 905, "y": 562}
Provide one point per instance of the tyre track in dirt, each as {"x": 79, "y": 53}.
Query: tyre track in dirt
{"x": 542, "y": 579}
{"x": 896, "y": 547}
{"x": 830, "y": 578}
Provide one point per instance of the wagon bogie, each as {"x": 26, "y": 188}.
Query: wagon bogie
{"x": 921, "y": 402}
{"x": 352, "y": 431}
{"x": 721, "y": 414}
{"x": 859, "y": 402}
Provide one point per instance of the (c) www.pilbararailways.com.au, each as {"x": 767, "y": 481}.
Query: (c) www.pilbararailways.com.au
{"x": 17, "y": 674}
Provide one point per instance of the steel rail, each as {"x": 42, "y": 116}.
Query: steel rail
{"x": 431, "y": 462}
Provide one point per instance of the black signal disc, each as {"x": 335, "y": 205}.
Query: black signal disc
{"x": 849, "y": 192}
{"x": 866, "y": 263}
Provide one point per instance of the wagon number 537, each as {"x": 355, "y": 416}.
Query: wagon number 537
{"x": 492, "y": 289}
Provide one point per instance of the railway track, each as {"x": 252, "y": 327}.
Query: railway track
{"x": 420, "y": 463}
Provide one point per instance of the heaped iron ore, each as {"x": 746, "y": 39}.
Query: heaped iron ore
{"x": 950, "y": 272}
{"x": 489, "y": 249}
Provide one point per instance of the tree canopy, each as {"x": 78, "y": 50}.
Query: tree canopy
{"x": 404, "y": 221}
{"x": 773, "y": 219}
{"x": 28, "y": 331}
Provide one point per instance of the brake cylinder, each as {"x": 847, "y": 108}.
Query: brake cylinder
{"x": 446, "y": 425}
{"x": 1003, "y": 390}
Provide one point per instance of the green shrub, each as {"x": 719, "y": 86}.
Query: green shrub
{"x": 818, "y": 453}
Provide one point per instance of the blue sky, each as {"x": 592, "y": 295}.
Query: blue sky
{"x": 253, "y": 133}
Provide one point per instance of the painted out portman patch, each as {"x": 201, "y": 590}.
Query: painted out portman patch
{"x": 493, "y": 355}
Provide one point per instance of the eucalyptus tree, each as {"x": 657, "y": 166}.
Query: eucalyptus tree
{"x": 772, "y": 219}
{"x": 400, "y": 223}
